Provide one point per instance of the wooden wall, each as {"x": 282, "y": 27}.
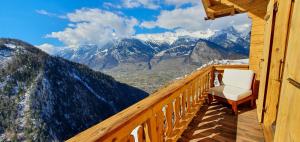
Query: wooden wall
{"x": 264, "y": 64}
{"x": 256, "y": 44}
{"x": 288, "y": 125}
{"x": 257, "y": 14}
{"x": 279, "y": 88}
{"x": 277, "y": 59}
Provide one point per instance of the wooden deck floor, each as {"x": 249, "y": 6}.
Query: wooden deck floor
{"x": 216, "y": 123}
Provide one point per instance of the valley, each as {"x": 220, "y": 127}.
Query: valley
{"x": 149, "y": 63}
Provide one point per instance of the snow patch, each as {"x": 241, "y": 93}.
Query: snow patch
{"x": 220, "y": 62}
{"x": 104, "y": 51}
{"x": 9, "y": 45}
{"x": 24, "y": 107}
{"x": 226, "y": 62}
{"x": 93, "y": 92}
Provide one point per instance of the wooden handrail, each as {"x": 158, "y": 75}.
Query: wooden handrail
{"x": 162, "y": 116}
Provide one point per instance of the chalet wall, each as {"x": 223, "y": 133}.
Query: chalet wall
{"x": 256, "y": 44}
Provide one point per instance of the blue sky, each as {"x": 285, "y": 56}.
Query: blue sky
{"x": 74, "y": 22}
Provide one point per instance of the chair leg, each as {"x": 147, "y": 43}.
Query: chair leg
{"x": 234, "y": 108}
{"x": 252, "y": 103}
{"x": 210, "y": 98}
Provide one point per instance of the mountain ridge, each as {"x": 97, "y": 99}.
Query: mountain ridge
{"x": 134, "y": 50}
{"x": 47, "y": 98}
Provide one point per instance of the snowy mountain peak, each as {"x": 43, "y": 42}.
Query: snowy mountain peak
{"x": 171, "y": 37}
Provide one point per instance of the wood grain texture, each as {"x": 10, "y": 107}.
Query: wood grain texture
{"x": 287, "y": 125}
{"x": 264, "y": 61}
{"x": 216, "y": 123}
{"x": 278, "y": 50}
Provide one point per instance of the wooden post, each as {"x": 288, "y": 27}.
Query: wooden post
{"x": 152, "y": 125}
{"x": 169, "y": 117}
{"x": 212, "y": 77}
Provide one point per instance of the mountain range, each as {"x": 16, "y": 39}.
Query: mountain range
{"x": 226, "y": 43}
{"x": 46, "y": 98}
{"x": 135, "y": 60}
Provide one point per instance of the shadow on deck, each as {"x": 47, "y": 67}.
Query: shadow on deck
{"x": 216, "y": 123}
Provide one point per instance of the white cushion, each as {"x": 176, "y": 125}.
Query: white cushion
{"x": 238, "y": 78}
{"x": 230, "y": 92}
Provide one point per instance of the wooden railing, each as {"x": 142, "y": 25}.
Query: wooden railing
{"x": 162, "y": 116}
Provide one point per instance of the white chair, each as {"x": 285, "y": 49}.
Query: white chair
{"x": 236, "y": 88}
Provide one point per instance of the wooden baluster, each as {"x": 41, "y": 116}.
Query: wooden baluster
{"x": 169, "y": 117}
{"x": 129, "y": 138}
{"x": 206, "y": 82}
{"x": 212, "y": 78}
{"x": 198, "y": 89}
{"x": 201, "y": 88}
{"x": 188, "y": 96}
{"x": 147, "y": 129}
{"x": 183, "y": 103}
{"x": 160, "y": 126}
{"x": 196, "y": 93}
{"x": 141, "y": 134}
{"x": 192, "y": 94}
{"x": 153, "y": 130}
{"x": 177, "y": 111}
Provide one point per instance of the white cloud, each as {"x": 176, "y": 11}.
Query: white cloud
{"x": 47, "y": 13}
{"x": 48, "y": 48}
{"x": 150, "y": 4}
{"x": 178, "y": 3}
{"x": 43, "y": 12}
{"x": 111, "y": 5}
{"x": 192, "y": 19}
{"x": 94, "y": 26}
{"x": 243, "y": 28}
{"x": 239, "y": 21}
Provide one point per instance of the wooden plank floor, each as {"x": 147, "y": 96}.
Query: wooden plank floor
{"x": 216, "y": 123}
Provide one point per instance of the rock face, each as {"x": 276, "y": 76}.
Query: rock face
{"x": 45, "y": 98}
{"x": 232, "y": 40}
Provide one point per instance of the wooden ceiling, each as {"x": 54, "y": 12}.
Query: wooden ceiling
{"x": 220, "y": 8}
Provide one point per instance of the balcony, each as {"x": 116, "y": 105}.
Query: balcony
{"x": 178, "y": 112}
{"x": 216, "y": 122}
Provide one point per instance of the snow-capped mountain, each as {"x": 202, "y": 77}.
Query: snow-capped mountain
{"x": 144, "y": 53}
{"x": 130, "y": 60}
{"x": 45, "y": 98}
{"x": 232, "y": 39}
{"x": 171, "y": 37}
